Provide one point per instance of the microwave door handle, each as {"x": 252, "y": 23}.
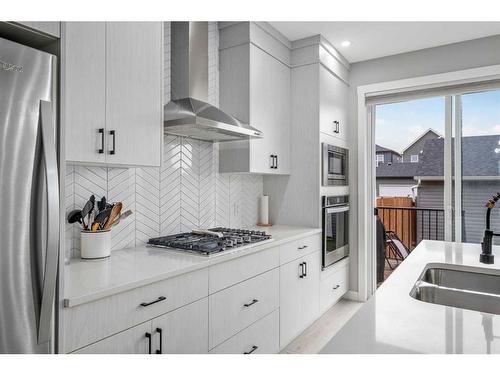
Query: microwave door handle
{"x": 332, "y": 210}
{"x": 52, "y": 242}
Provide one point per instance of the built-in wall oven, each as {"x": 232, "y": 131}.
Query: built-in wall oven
{"x": 335, "y": 229}
{"x": 335, "y": 165}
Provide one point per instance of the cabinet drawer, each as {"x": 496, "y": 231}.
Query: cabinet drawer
{"x": 262, "y": 337}
{"x": 225, "y": 274}
{"x": 237, "y": 307}
{"x": 333, "y": 288}
{"x": 93, "y": 321}
{"x": 298, "y": 248}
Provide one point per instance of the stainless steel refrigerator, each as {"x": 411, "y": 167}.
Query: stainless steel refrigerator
{"x": 29, "y": 199}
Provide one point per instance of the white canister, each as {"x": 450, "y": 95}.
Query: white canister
{"x": 95, "y": 245}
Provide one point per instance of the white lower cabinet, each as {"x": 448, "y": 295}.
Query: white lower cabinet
{"x": 183, "y": 331}
{"x": 334, "y": 286}
{"x": 237, "y": 307}
{"x": 257, "y": 308}
{"x": 134, "y": 340}
{"x": 262, "y": 337}
{"x": 299, "y": 296}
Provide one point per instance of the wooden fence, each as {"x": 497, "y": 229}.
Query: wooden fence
{"x": 400, "y": 221}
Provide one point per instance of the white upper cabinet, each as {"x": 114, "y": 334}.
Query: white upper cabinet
{"x": 112, "y": 92}
{"x": 255, "y": 88}
{"x": 269, "y": 112}
{"x": 333, "y": 104}
{"x": 134, "y": 92}
{"x": 84, "y": 101}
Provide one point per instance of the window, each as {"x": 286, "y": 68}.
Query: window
{"x": 414, "y": 159}
{"x": 380, "y": 159}
{"x": 480, "y": 162}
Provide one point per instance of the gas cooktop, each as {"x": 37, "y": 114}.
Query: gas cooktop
{"x": 211, "y": 241}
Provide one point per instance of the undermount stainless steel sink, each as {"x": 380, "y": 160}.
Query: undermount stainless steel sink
{"x": 470, "y": 288}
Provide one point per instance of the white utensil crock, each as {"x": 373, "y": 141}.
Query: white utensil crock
{"x": 95, "y": 245}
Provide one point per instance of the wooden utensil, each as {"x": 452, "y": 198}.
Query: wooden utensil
{"x": 115, "y": 212}
{"x": 123, "y": 216}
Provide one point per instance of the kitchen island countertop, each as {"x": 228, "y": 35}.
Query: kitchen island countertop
{"x": 89, "y": 280}
{"x": 391, "y": 321}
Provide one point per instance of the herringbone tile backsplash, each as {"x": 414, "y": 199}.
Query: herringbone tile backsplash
{"x": 187, "y": 192}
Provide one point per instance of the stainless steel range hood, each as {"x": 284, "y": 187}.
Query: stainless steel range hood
{"x": 188, "y": 113}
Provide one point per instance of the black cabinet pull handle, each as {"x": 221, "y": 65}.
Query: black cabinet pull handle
{"x": 271, "y": 158}
{"x": 254, "y": 348}
{"x": 274, "y": 162}
{"x": 302, "y": 247}
{"x": 337, "y": 127}
{"x": 148, "y": 336}
{"x": 301, "y": 265}
{"x": 251, "y": 303}
{"x": 161, "y": 298}
{"x": 101, "y": 132}
{"x": 305, "y": 269}
{"x": 160, "y": 331}
{"x": 336, "y": 286}
{"x": 113, "y": 134}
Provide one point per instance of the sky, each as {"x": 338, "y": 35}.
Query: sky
{"x": 399, "y": 124}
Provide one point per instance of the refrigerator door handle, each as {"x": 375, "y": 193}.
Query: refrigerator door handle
{"x": 51, "y": 258}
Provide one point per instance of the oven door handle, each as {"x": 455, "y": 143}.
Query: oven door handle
{"x": 332, "y": 210}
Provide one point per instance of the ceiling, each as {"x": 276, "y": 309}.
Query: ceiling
{"x": 376, "y": 39}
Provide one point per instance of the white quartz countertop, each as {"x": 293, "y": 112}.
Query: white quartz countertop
{"x": 391, "y": 321}
{"x": 89, "y": 280}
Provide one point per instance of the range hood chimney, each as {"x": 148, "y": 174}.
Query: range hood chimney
{"x": 189, "y": 114}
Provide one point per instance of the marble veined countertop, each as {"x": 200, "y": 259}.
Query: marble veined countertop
{"x": 89, "y": 280}
{"x": 391, "y": 321}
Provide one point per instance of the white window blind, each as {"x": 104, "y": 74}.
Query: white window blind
{"x": 393, "y": 96}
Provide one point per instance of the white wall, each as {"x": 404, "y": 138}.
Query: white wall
{"x": 452, "y": 57}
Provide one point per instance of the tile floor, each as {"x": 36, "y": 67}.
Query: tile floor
{"x": 314, "y": 338}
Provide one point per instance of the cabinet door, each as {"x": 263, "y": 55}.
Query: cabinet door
{"x": 290, "y": 301}
{"x": 134, "y": 79}
{"x": 299, "y": 296}
{"x": 269, "y": 111}
{"x": 310, "y": 289}
{"x": 130, "y": 341}
{"x": 84, "y": 82}
{"x": 183, "y": 331}
{"x": 333, "y": 104}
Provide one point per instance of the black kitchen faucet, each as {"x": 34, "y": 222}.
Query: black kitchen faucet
{"x": 486, "y": 256}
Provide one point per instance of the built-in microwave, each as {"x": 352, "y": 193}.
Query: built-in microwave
{"x": 335, "y": 165}
{"x": 335, "y": 234}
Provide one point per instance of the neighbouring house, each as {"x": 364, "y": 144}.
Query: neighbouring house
{"x": 396, "y": 180}
{"x": 385, "y": 155}
{"x": 480, "y": 180}
{"x": 413, "y": 152}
